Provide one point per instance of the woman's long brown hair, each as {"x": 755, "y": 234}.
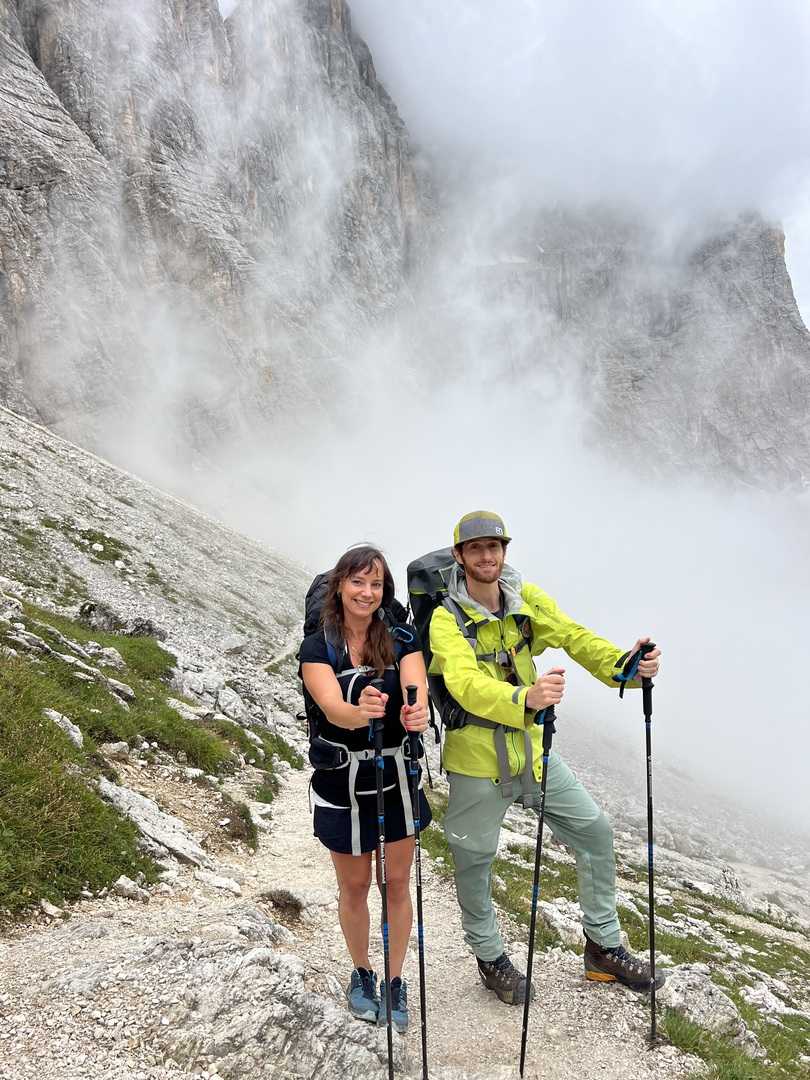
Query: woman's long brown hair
{"x": 378, "y": 650}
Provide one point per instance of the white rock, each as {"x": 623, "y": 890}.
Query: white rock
{"x": 565, "y": 917}
{"x": 188, "y": 712}
{"x": 127, "y": 888}
{"x": 625, "y": 901}
{"x": 218, "y": 882}
{"x": 50, "y": 909}
{"x": 121, "y": 689}
{"x": 767, "y": 1002}
{"x": 229, "y": 702}
{"x": 191, "y": 685}
{"x": 69, "y": 728}
{"x": 10, "y": 608}
{"x": 212, "y": 682}
{"x": 118, "y": 751}
{"x": 690, "y": 991}
{"x": 234, "y": 644}
{"x": 112, "y": 658}
{"x": 164, "y": 829}
{"x": 702, "y": 887}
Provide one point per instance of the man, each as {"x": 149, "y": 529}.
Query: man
{"x": 494, "y": 759}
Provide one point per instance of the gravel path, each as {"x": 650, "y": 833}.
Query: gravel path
{"x": 66, "y": 1013}
{"x": 576, "y": 1028}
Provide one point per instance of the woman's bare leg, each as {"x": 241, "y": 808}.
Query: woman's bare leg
{"x": 354, "y": 880}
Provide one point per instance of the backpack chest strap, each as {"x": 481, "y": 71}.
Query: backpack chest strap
{"x": 469, "y": 629}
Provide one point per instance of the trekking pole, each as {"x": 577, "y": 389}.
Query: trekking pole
{"x": 377, "y": 727}
{"x": 646, "y": 692}
{"x": 413, "y": 740}
{"x": 546, "y": 718}
{"x": 629, "y": 672}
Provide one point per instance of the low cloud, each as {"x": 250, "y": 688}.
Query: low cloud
{"x": 681, "y": 108}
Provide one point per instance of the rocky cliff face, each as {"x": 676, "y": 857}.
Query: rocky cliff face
{"x": 207, "y": 226}
{"x": 185, "y": 208}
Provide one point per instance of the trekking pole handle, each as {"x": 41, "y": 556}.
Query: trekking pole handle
{"x": 546, "y": 719}
{"x": 630, "y": 670}
{"x": 375, "y": 727}
{"x": 647, "y": 684}
{"x": 413, "y": 736}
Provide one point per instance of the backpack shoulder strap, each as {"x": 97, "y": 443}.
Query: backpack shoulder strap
{"x": 335, "y": 649}
{"x": 466, "y": 624}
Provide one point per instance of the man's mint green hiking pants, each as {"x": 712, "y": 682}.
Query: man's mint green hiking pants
{"x": 472, "y": 826}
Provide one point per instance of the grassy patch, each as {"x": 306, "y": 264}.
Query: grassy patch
{"x": 438, "y": 803}
{"x": 26, "y": 537}
{"x": 785, "y": 1038}
{"x": 682, "y": 950}
{"x": 83, "y": 539}
{"x": 267, "y": 790}
{"x": 434, "y": 842}
{"x": 70, "y": 590}
{"x": 56, "y": 836}
{"x": 513, "y": 891}
{"x": 773, "y": 957}
{"x": 276, "y": 745}
{"x": 433, "y": 839}
{"x": 725, "y": 1061}
{"x": 240, "y": 824}
{"x": 142, "y": 655}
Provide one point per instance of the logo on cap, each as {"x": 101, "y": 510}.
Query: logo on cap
{"x": 478, "y": 525}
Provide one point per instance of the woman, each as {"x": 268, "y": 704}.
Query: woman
{"x": 357, "y": 643}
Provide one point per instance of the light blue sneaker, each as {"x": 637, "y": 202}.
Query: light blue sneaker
{"x": 361, "y": 994}
{"x": 399, "y": 1005}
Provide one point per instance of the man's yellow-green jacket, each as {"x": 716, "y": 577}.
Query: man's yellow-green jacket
{"x": 481, "y": 686}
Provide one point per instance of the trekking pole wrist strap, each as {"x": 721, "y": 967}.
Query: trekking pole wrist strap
{"x": 630, "y": 663}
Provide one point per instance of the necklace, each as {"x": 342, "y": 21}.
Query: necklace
{"x": 356, "y": 647}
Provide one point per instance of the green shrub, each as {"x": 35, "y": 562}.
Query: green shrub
{"x": 56, "y": 835}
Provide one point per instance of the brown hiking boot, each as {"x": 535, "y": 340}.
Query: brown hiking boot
{"x": 503, "y": 977}
{"x": 618, "y": 965}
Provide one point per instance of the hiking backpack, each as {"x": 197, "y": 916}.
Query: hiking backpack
{"x": 428, "y": 581}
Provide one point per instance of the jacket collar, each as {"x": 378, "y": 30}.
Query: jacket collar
{"x": 511, "y": 585}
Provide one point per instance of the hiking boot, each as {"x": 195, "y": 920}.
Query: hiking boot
{"x": 361, "y": 994}
{"x": 399, "y": 1006}
{"x": 618, "y": 965}
{"x": 503, "y": 977}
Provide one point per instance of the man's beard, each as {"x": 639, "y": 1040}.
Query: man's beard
{"x": 484, "y": 577}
